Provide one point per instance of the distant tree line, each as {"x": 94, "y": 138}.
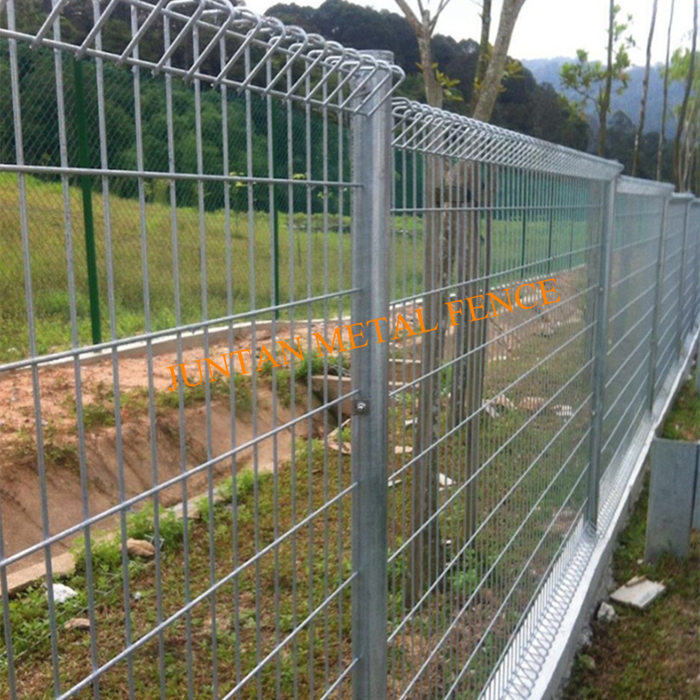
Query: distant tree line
{"x": 522, "y": 105}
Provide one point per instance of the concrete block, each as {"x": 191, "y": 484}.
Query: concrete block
{"x": 639, "y": 593}
{"x": 671, "y": 495}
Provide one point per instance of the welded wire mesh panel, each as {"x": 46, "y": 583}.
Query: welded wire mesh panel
{"x": 670, "y": 307}
{"x": 195, "y": 219}
{"x": 634, "y": 262}
{"x": 186, "y": 489}
{"x": 489, "y": 422}
{"x": 690, "y": 271}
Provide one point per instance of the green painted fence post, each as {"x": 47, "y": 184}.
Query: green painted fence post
{"x": 86, "y": 187}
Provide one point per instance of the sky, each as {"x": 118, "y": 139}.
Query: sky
{"x": 551, "y": 28}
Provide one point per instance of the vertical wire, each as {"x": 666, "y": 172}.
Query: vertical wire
{"x": 174, "y": 238}
{"x": 4, "y": 588}
{"x": 203, "y": 258}
{"x": 109, "y": 263}
{"x": 273, "y": 219}
{"x": 31, "y": 332}
{"x": 75, "y": 341}
{"x": 149, "y": 352}
{"x": 309, "y": 312}
{"x": 253, "y": 303}
{"x": 291, "y": 194}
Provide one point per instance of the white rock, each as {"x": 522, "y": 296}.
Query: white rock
{"x": 502, "y": 401}
{"x": 445, "y": 480}
{"x": 491, "y": 412}
{"x": 606, "y": 613}
{"x": 532, "y": 403}
{"x": 63, "y": 593}
{"x": 638, "y": 592}
{"x": 563, "y": 411}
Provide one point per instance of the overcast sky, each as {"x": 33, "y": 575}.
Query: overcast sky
{"x": 549, "y": 28}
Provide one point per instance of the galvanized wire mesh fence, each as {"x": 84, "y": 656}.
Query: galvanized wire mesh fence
{"x": 360, "y": 491}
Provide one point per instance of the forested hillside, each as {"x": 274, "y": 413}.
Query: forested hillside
{"x": 523, "y": 105}
{"x": 547, "y": 70}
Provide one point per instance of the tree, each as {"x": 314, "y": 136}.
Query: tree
{"x": 484, "y": 51}
{"x": 593, "y": 81}
{"x": 645, "y": 92}
{"x": 489, "y": 88}
{"x": 423, "y": 25}
{"x": 682, "y": 126}
{"x": 682, "y": 69}
{"x": 664, "y": 109}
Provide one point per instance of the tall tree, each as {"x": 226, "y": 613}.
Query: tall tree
{"x": 677, "y": 166}
{"x": 594, "y": 81}
{"x": 423, "y": 25}
{"x": 491, "y": 83}
{"x": 645, "y": 92}
{"x": 484, "y": 51}
{"x": 681, "y": 70}
{"x": 664, "y": 108}
{"x": 605, "y": 101}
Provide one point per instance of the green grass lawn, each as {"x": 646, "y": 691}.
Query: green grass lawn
{"x": 310, "y": 262}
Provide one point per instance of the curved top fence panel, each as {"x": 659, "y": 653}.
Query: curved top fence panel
{"x": 419, "y": 127}
{"x": 643, "y": 188}
{"x": 216, "y": 42}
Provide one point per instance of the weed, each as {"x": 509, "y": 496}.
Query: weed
{"x": 97, "y": 415}
{"x": 141, "y": 525}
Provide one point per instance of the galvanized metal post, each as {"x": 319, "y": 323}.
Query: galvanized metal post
{"x": 681, "y": 293}
{"x": 373, "y": 169}
{"x": 656, "y": 313}
{"x": 600, "y": 349}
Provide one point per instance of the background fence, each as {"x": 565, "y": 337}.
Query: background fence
{"x": 411, "y": 519}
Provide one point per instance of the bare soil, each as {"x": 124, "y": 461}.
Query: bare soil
{"x": 22, "y": 496}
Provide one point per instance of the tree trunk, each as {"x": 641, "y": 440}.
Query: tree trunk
{"x": 483, "y": 61}
{"x": 494, "y": 73}
{"x": 433, "y": 91}
{"x": 678, "y": 176}
{"x": 423, "y": 29}
{"x": 664, "y": 109}
{"x": 607, "y": 90}
{"x": 645, "y": 92}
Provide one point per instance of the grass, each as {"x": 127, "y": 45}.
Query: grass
{"x": 267, "y": 601}
{"x": 532, "y": 464}
{"x": 242, "y": 609}
{"x": 310, "y": 263}
{"x": 649, "y": 654}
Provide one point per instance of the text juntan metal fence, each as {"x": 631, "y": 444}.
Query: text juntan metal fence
{"x": 409, "y": 519}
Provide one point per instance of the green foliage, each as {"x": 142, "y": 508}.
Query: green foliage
{"x": 105, "y": 555}
{"x": 218, "y": 389}
{"x": 244, "y": 486}
{"x": 588, "y": 78}
{"x": 141, "y": 525}
{"x": 97, "y": 415}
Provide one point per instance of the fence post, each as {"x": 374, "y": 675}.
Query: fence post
{"x": 681, "y": 293}
{"x": 600, "y": 350}
{"x": 86, "y": 188}
{"x": 373, "y": 170}
{"x": 656, "y": 314}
